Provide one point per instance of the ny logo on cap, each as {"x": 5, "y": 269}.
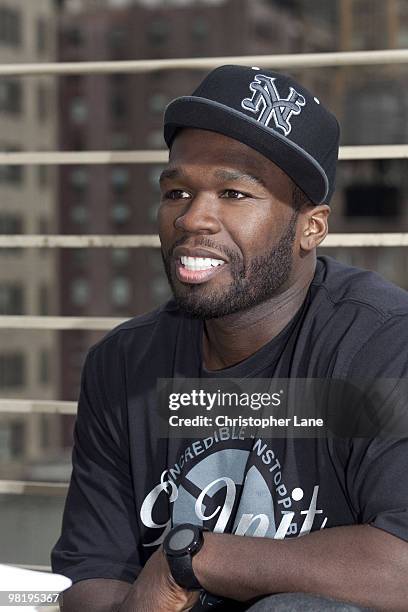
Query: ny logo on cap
{"x": 266, "y": 99}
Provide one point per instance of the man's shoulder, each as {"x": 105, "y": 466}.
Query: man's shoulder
{"x": 358, "y": 321}
{"x": 140, "y": 327}
{"x": 348, "y": 285}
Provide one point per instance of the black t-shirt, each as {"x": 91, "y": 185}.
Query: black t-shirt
{"x": 128, "y": 486}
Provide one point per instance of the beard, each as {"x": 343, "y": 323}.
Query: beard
{"x": 251, "y": 284}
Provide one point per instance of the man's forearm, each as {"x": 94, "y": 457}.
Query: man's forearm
{"x": 358, "y": 563}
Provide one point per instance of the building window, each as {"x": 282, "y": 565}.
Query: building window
{"x": 155, "y": 139}
{"x": 200, "y": 29}
{"x": 12, "y": 370}
{"x": 78, "y": 110}
{"x": 79, "y": 214}
{"x": 43, "y": 176}
{"x": 45, "y": 431}
{"x": 11, "y": 299}
{"x": 10, "y": 27}
{"x": 11, "y": 224}
{"x": 118, "y": 107}
{"x": 158, "y": 31}
{"x": 44, "y": 367}
{"x": 120, "y": 213}
{"x": 121, "y": 291}
{"x": 116, "y": 38}
{"x": 17, "y": 439}
{"x": 5, "y": 441}
{"x": 74, "y": 82}
{"x": 73, "y": 37}
{"x": 118, "y": 79}
{"x": 79, "y": 179}
{"x": 11, "y": 96}
{"x": 157, "y": 102}
{"x": 120, "y": 178}
{"x": 79, "y": 257}
{"x": 79, "y": 291}
{"x": 76, "y": 358}
{"x": 120, "y": 257}
{"x": 41, "y": 35}
{"x": 364, "y": 104}
{"x": 43, "y": 300}
{"x": 43, "y": 225}
{"x": 11, "y": 175}
{"x": 120, "y": 140}
{"x": 43, "y": 109}
{"x": 368, "y": 201}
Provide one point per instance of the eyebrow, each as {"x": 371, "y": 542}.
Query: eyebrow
{"x": 223, "y": 175}
{"x": 236, "y": 175}
{"x": 170, "y": 173}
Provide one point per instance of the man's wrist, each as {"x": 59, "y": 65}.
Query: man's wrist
{"x": 202, "y": 560}
{"x": 222, "y": 569}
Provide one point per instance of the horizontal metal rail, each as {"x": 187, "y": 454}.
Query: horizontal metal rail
{"x": 361, "y": 152}
{"x": 34, "y": 322}
{"x": 293, "y": 60}
{"x": 28, "y": 406}
{"x": 369, "y": 239}
{"x": 81, "y": 241}
{"x": 391, "y": 239}
{"x": 32, "y": 487}
{"x": 64, "y": 158}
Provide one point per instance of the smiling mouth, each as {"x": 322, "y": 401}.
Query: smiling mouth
{"x": 197, "y": 269}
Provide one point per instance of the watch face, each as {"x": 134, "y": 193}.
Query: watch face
{"x": 180, "y": 540}
{"x": 183, "y": 539}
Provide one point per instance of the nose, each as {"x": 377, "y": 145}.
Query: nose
{"x": 200, "y": 216}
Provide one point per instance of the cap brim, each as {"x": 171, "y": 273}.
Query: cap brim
{"x": 194, "y": 112}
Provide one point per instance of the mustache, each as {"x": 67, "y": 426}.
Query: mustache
{"x": 204, "y": 242}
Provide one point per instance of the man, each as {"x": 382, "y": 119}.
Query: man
{"x": 244, "y": 206}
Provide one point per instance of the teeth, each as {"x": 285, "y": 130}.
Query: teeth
{"x": 200, "y": 263}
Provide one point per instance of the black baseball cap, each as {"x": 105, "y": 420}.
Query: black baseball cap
{"x": 271, "y": 113}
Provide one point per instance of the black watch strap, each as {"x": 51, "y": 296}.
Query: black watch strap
{"x": 180, "y": 545}
{"x": 182, "y": 571}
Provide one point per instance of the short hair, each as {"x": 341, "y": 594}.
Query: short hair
{"x": 299, "y": 198}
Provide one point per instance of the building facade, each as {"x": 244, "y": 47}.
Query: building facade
{"x": 28, "y": 277}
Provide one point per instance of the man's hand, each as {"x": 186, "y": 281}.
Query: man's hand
{"x": 155, "y": 589}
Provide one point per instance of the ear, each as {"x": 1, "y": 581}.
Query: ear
{"x": 314, "y": 226}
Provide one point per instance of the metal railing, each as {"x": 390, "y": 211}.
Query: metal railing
{"x": 294, "y": 60}
{"x": 369, "y": 239}
{"x": 59, "y": 158}
{"x": 28, "y": 487}
{"x": 28, "y": 406}
{"x": 311, "y": 60}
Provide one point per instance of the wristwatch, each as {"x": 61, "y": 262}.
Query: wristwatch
{"x": 180, "y": 545}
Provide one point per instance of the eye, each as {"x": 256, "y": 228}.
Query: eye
{"x": 176, "y": 194}
{"x": 234, "y": 194}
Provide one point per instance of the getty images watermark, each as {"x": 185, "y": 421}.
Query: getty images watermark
{"x": 208, "y": 401}
{"x": 306, "y": 408}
